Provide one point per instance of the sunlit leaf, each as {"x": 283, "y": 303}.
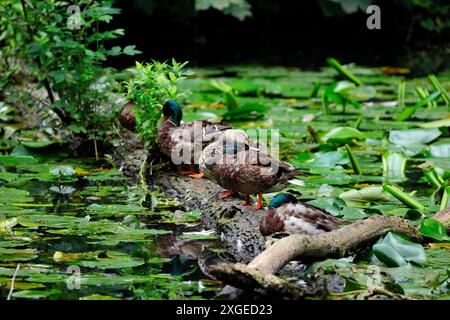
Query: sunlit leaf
{"x": 413, "y": 136}
{"x": 432, "y": 228}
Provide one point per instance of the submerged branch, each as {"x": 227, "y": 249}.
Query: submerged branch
{"x": 335, "y": 244}
{"x": 240, "y": 275}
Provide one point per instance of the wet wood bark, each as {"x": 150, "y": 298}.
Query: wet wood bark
{"x": 335, "y": 244}
{"x": 236, "y": 225}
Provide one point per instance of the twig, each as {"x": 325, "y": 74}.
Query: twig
{"x": 12, "y": 282}
{"x": 95, "y": 147}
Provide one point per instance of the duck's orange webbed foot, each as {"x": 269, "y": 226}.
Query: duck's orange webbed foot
{"x": 197, "y": 175}
{"x": 226, "y": 194}
{"x": 192, "y": 173}
{"x": 248, "y": 204}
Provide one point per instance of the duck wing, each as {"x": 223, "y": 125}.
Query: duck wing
{"x": 281, "y": 169}
{"x": 299, "y": 218}
{"x": 202, "y": 130}
{"x": 318, "y": 216}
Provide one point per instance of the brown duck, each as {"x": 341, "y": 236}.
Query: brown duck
{"x": 185, "y": 142}
{"x": 239, "y": 167}
{"x": 287, "y": 215}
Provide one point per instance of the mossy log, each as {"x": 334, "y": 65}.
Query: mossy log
{"x": 236, "y": 225}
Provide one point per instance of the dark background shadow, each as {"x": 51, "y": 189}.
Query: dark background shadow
{"x": 290, "y": 33}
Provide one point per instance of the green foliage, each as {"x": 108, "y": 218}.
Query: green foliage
{"x": 65, "y": 53}
{"x": 339, "y": 7}
{"x": 153, "y": 84}
{"x": 237, "y": 111}
{"x": 239, "y": 9}
{"x": 403, "y": 197}
{"x": 394, "y": 165}
{"x": 432, "y": 14}
{"x": 343, "y": 71}
{"x": 343, "y": 133}
{"x": 339, "y": 94}
{"x": 228, "y": 93}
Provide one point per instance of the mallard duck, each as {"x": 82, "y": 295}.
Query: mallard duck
{"x": 127, "y": 119}
{"x": 287, "y": 215}
{"x": 185, "y": 142}
{"x": 212, "y": 154}
{"x": 240, "y": 168}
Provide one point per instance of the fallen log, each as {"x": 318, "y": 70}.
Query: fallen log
{"x": 236, "y": 225}
{"x": 240, "y": 275}
{"x": 335, "y": 244}
{"x": 238, "y": 228}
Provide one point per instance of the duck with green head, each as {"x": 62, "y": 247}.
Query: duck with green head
{"x": 239, "y": 167}
{"x": 184, "y": 142}
{"x": 288, "y": 215}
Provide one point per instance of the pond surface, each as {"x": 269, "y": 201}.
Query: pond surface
{"x": 80, "y": 230}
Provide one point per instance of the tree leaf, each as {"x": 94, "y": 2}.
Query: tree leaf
{"x": 130, "y": 50}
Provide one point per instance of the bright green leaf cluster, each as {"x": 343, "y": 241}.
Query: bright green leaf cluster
{"x": 153, "y": 84}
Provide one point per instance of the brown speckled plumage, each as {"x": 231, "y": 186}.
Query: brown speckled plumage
{"x": 298, "y": 218}
{"x": 127, "y": 119}
{"x": 191, "y": 137}
{"x": 248, "y": 170}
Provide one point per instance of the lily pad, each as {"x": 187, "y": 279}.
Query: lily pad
{"x": 413, "y": 136}
{"x": 395, "y": 250}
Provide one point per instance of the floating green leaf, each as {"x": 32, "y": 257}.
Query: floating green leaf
{"x": 413, "y": 136}
{"x": 432, "y": 228}
{"x": 394, "y": 165}
{"x": 395, "y": 250}
{"x": 343, "y": 133}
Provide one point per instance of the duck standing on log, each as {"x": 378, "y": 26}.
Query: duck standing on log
{"x": 183, "y": 143}
{"x": 240, "y": 168}
{"x": 288, "y": 215}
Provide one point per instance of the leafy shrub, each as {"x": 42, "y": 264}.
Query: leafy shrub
{"x": 62, "y": 49}
{"x": 153, "y": 84}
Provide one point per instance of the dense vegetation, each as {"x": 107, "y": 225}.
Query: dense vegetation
{"x": 369, "y": 141}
